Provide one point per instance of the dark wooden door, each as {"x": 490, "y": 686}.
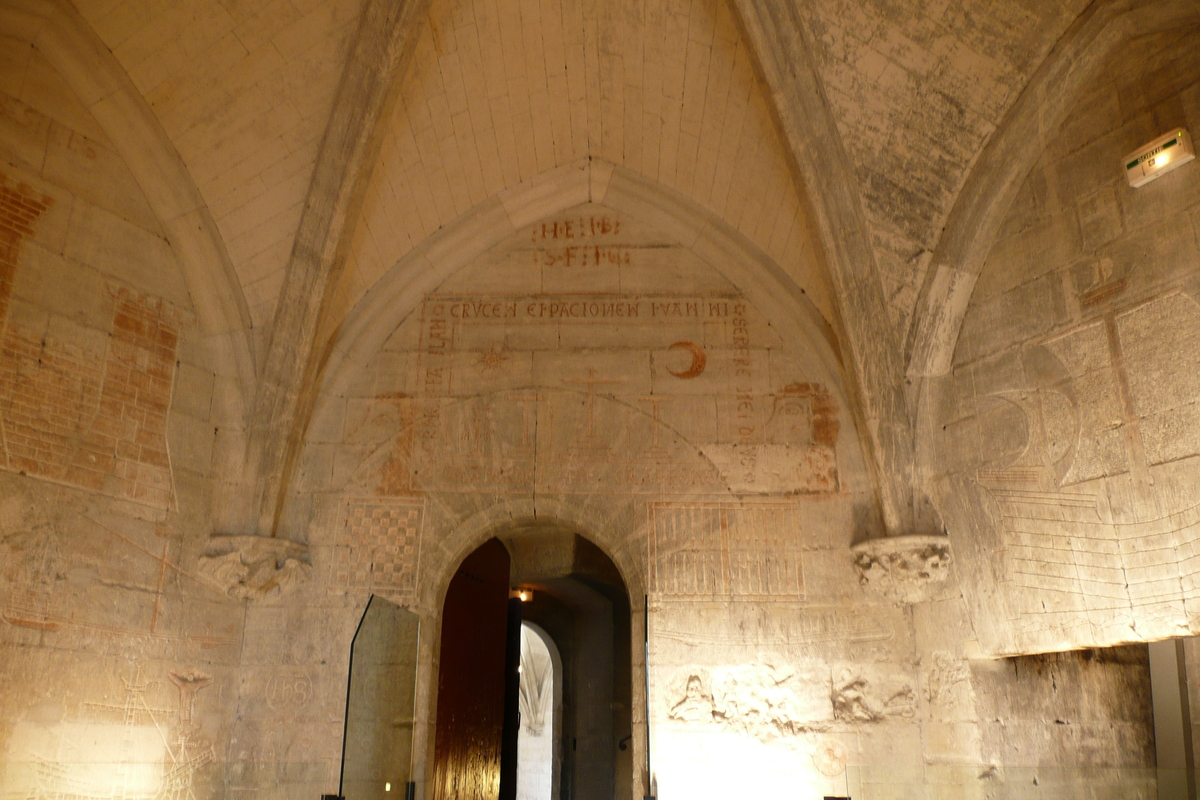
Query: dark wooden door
{"x": 471, "y": 679}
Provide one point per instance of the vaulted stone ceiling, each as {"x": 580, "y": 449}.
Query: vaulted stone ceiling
{"x": 244, "y": 91}
{"x": 881, "y": 108}
{"x": 665, "y": 90}
{"x": 916, "y": 89}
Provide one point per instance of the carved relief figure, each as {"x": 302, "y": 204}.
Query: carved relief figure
{"x": 696, "y": 705}
{"x": 759, "y": 700}
{"x": 855, "y": 700}
{"x": 189, "y": 682}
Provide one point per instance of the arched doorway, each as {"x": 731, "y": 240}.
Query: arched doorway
{"x": 539, "y": 762}
{"x": 576, "y": 597}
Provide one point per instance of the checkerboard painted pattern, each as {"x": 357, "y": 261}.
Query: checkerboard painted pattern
{"x": 380, "y": 546}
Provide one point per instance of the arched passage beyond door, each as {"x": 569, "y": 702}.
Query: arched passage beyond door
{"x": 576, "y": 596}
{"x": 538, "y": 760}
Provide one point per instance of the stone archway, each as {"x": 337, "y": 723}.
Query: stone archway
{"x": 574, "y": 593}
{"x": 679, "y": 405}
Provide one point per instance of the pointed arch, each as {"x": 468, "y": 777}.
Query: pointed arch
{"x": 400, "y": 291}
{"x": 69, "y": 44}
{"x": 1080, "y": 55}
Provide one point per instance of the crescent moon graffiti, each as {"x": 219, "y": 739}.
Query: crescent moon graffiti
{"x": 698, "y": 359}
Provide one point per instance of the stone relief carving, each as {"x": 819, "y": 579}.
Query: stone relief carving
{"x": 696, "y": 705}
{"x": 764, "y": 701}
{"x": 903, "y": 568}
{"x": 948, "y": 688}
{"x": 856, "y": 700}
{"x": 252, "y": 567}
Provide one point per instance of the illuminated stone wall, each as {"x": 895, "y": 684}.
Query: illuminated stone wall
{"x": 118, "y": 662}
{"x": 1065, "y": 439}
{"x": 706, "y": 446}
{"x": 613, "y": 317}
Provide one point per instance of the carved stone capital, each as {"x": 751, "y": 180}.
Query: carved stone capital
{"x": 904, "y": 569}
{"x": 252, "y": 567}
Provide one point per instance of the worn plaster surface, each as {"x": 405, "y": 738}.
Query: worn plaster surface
{"x": 572, "y": 266}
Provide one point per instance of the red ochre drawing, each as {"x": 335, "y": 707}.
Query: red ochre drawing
{"x": 93, "y": 420}
{"x": 26, "y": 605}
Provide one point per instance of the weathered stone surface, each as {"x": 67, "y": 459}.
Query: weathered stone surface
{"x": 697, "y": 300}
{"x": 903, "y": 568}
{"x": 1076, "y": 389}
{"x": 253, "y": 567}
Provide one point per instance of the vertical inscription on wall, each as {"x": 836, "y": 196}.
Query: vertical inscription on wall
{"x": 746, "y": 551}
{"x": 81, "y": 406}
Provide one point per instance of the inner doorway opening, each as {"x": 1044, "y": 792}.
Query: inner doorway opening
{"x": 538, "y": 766}
{"x": 570, "y": 599}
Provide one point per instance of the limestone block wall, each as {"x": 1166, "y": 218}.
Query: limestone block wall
{"x": 588, "y": 370}
{"x": 1069, "y": 724}
{"x": 1065, "y": 444}
{"x": 594, "y": 340}
{"x": 118, "y": 663}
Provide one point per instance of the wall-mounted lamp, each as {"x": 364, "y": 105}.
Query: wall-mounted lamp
{"x": 1156, "y": 159}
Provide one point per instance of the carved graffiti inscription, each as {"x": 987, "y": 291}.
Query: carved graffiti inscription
{"x": 289, "y": 692}
{"x": 32, "y": 553}
{"x": 612, "y": 393}
{"x": 741, "y": 551}
{"x": 1094, "y": 407}
{"x": 804, "y": 626}
{"x": 580, "y": 241}
{"x": 127, "y": 747}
